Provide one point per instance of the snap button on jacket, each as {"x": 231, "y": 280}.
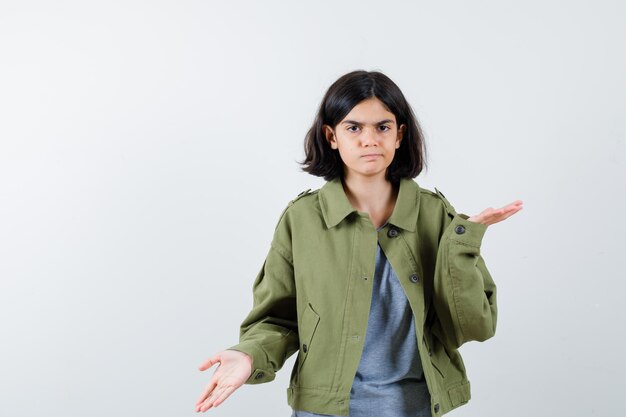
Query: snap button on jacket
{"x": 312, "y": 295}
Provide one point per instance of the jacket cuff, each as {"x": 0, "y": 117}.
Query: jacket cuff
{"x": 466, "y": 231}
{"x": 261, "y": 371}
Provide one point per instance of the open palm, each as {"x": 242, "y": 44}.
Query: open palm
{"x": 233, "y": 371}
{"x": 491, "y": 215}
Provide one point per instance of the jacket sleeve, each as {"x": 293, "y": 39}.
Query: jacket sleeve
{"x": 464, "y": 293}
{"x": 269, "y": 333}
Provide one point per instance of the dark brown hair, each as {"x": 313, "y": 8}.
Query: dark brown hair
{"x": 345, "y": 93}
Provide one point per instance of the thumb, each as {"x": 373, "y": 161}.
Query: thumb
{"x": 210, "y": 362}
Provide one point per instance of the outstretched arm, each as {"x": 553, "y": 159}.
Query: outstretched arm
{"x": 269, "y": 333}
{"x": 464, "y": 292}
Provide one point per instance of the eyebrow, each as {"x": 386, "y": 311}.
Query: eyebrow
{"x": 354, "y": 122}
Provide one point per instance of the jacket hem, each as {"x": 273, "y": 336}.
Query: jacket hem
{"x": 455, "y": 396}
{"x": 321, "y": 401}
{"x": 318, "y": 401}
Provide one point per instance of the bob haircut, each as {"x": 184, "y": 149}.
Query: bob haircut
{"x": 345, "y": 93}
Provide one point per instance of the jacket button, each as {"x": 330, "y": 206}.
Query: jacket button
{"x": 414, "y": 278}
{"x": 437, "y": 408}
{"x": 392, "y": 232}
{"x": 304, "y": 348}
{"x": 259, "y": 375}
{"x": 460, "y": 229}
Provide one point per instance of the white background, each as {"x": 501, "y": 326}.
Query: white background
{"x": 147, "y": 149}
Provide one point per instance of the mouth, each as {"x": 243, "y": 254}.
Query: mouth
{"x": 371, "y": 155}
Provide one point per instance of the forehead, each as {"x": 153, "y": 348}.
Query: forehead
{"x": 370, "y": 110}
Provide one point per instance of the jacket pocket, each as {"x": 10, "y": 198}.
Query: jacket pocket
{"x": 438, "y": 356}
{"x": 306, "y": 330}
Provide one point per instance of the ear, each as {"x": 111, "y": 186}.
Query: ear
{"x": 400, "y": 136}
{"x": 330, "y": 136}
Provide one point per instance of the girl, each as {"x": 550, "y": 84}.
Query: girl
{"x": 373, "y": 280}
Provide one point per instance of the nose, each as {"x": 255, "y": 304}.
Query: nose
{"x": 368, "y": 137}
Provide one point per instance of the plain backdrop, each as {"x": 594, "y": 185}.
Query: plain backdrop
{"x": 142, "y": 141}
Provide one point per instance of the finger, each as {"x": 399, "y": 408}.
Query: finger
{"x": 490, "y": 215}
{"x": 207, "y": 390}
{"x": 209, "y": 362}
{"x": 503, "y": 214}
{"x": 500, "y": 215}
{"x": 513, "y": 206}
{"x": 209, "y": 401}
{"x": 509, "y": 211}
{"x": 515, "y": 203}
{"x": 204, "y": 406}
{"x": 229, "y": 390}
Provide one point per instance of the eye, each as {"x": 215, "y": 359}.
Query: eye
{"x": 350, "y": 127}
{"x": 386, "y": 128}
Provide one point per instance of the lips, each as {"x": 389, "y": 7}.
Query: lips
{"x": 370, "y": 155}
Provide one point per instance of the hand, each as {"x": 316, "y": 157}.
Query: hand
{"x": 234, "y": 369}
{"x": 491, "y": 215}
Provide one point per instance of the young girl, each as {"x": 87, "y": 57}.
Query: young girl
{"x": 373, "y": 280}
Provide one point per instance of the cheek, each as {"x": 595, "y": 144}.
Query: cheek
{"x": 346, "y": 150}
{"x": 347, "y": 155}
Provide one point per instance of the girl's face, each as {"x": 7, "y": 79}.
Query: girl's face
{"x": 367, "y": 139}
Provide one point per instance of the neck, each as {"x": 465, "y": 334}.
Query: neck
{"x": 373, "y": 195}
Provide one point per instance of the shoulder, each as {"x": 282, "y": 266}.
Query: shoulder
{"x": 302, "y": 201}
{"x": 437, "y": 198}
{"x": 306, "y": 194}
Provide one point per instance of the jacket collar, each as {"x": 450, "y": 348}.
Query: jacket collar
{"x": 336, "y": 206}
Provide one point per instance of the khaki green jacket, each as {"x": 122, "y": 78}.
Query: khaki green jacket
{"x": 313, "y": 294}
